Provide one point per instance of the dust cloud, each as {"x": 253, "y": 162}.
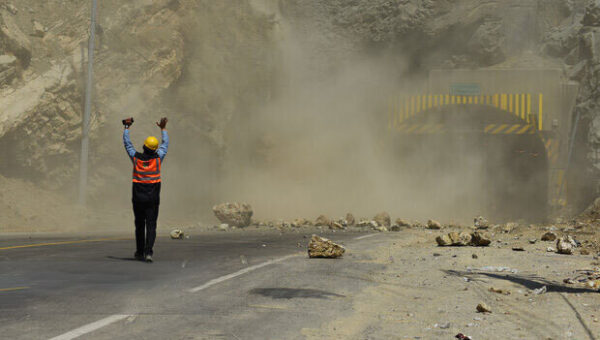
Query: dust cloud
{"x": 292, "y": 119}
{"x": 315, "y": 141}
{"x": 320, "y": 144}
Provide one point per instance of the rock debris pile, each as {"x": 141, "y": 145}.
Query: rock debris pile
{"x": 475, "y": 239}
{"x": 324, "y": 248}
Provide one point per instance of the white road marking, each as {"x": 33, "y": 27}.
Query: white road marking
{"x": 365, "y": 236}
{"x": 114, "y": 318}
{"x": 91, "y": 327}
{"x": 238, "y": 273}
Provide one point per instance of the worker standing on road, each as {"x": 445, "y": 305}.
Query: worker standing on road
{"x": 146, "y": 187}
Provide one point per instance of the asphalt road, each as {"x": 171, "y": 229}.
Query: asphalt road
{"x": 233, "y": 285}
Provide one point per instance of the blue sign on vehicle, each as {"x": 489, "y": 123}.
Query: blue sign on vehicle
{"x": 465, "y": 89}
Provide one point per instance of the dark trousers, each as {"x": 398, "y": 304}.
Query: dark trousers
{"x": 146, "y": 215}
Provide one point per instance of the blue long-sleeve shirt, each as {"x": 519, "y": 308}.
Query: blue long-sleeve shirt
{"x": 161, "y": 151}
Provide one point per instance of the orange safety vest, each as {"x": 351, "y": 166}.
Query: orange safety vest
{"x": 147, "y": 171}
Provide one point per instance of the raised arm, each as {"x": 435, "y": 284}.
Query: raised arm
{"x": 127, "y": 143}
{"x": 164, "y": 145}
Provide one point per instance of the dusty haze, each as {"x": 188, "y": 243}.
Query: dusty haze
{"x": 281, "y": 104}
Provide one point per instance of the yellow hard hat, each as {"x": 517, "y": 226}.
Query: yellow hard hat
{"x": 151, "y": 143}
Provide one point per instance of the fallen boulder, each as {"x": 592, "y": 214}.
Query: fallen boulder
{"x": 480, "y": 239}
{"x": 325, "y": 248}
{"x": 481, "y": 223}
{"x": 565, "y": 245}
{"x": 433, "y": 224}
{"x": 549, "y": 236}
{"x": 381, "y": 228}
{"x": 417, "y": 225}
{"x": 234, "y": 214}
{"x": 383, "y": 219}
{"x": 364, "y": 223}
{"x": 483, "y": 308}
{"x": 336, "y": 225}
{"x": 464, "y": 238}
{"x": 443, "y": 240}
{"x": 299, "y": 222}
{"x": 322, "y": 221}
{"x": 176, "y": 234}
{"x": 402, "y": 223}
{"x": 459, "y": 239}
{"x": 350, "y": 219}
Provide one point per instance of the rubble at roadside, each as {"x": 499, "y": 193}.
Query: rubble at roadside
{"x": 564, "y": 237}
{"x": 324, "y": 248}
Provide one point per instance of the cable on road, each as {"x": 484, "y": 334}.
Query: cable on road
{"x": 585, "y": 327}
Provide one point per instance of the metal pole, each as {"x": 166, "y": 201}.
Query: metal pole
{"x": 83, "y": 162}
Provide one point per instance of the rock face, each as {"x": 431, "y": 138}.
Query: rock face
{"x": 234, "y": 214}
{"x": 322, "y": 221}
{"x": 8, "y": 68}
{"x": 592, "y": 14}
{"x": 383, "y": 219}
{"x": 487, "y": 43}
{"x": 38, "y": 30}
{"x": 13, "y": 39}
{"x": 322, "y": 247}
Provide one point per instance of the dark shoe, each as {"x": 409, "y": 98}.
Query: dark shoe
{"x": 148, "y": 258}
{"x": 138, "y": 256}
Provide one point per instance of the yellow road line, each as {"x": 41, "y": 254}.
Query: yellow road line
{"x": 489, "y": 127}
{"x": 12, "y": 289}
{"x": 65, "y": 242}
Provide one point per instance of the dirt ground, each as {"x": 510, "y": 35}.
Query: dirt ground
{"x": 431, "y": 292}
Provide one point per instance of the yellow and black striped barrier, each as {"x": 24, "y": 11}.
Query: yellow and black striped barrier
{"x": 493, "y": 129}
{"x": 509, "y": 129}
{"x": 522, "y": 105}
